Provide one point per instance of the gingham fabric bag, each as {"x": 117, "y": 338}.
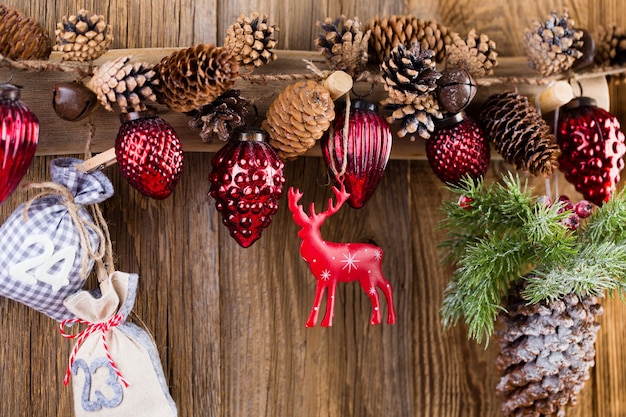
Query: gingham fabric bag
{"x": 48, "y": 244}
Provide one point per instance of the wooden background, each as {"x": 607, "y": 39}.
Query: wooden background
{"x": 229, "y": 322}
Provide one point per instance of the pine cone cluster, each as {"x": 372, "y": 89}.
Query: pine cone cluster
{"x": 476, "y": 53}
{"x": 251, "y": 40}
{"x": 410, "y": 79}
{"x": 82, "y": 37}
{"x": 611, "y": 46}
{"x": 126, "y": 84}
{"x": 195, "y": 76}
{"x": 546, "y": 352}
{"x": 219, "y": 119}
{"x": 554, "y": 45}
{"x": 298, "y": 118}
{"x": 519, "y": 133}
{"x": 22, "y": 37}
{"x": 343, "y": 44}
{"x": 406, "y": 30}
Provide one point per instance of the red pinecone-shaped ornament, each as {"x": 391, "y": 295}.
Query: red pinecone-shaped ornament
{"x": 20, "y": 135}
{"x": 364, "y": 153}
{"x": 458, "y": 149}
{"x": 592, "y": 147}
{"x": 149, "y": 153}
{"x": 246, "y": 183}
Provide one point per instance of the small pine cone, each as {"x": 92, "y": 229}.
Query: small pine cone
{"x": 83, "y": 37}
{"x": 611, "y": 46}
{"x": 219, "y": 119}
{"x": 22, "y": 37}
{"x": 553, "y": 46}
{"x": 298, "y": 118}
{"x": 477, "y": 54}
{"x": 251, "y": 40}
{"x": 546, "y": 352}
{"x": 389, "y": 32}
{"x": 416, "y": 118}
{"x": 193, "y": 77}
{"x": 128, "y": 85}
{"x": 343, "y": 44}
{"x": 519, "y": 133}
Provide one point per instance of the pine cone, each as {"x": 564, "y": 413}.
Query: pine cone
{"x": 128, "y": 85}
{"x": 553, "y": 46}
{"x": 193, "y": 77}
{"x": 389, "y": 32}
{"x": 417, "y": 118}
{"x": 219, "y": 119}
{"x": 611, "y": 46}
{"x": 82, "y": 37}
{"x": 343, "y": 44}
{"x": 298, "y": 118}
{"x": 251, "y": 40}
{"x": 22, "y": 37}
{"x": 477, "y": 54}
{"x": 546, "y": 352}
{"x": 519, "y": 133}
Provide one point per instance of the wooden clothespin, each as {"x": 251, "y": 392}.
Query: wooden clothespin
{"x": 98, "y": 162}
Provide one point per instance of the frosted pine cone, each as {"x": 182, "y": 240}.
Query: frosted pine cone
{"x": 546, "y": 352}
{"x": 125, "y": 84}
{"x": 250, "y": 40}
{"x": 219, "y": 119}
{"x": 477, "y": 54}
{"x": 22, "y": 37}
{"x": 82, "y": 37}
{"x": 343, "y": 44}
{"x": 192, "y": 77}
{"x": 298, "y": 118}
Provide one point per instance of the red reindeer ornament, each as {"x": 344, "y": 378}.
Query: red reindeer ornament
{"x": 333, "y": 262}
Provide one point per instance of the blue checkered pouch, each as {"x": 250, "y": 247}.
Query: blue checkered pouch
{"x": 48, "y": 244}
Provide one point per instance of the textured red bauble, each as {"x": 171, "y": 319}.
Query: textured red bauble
{"x": 592, "y": 149}
{"x": 149, "y": 153}
{"x": 364, "y": 153}
{"x": 458, "y": 148}
{"x": 246, "y": 183}
{"x": 18, "y": 143}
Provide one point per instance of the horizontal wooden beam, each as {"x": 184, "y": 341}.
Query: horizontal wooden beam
{"x": 58, "y": 136}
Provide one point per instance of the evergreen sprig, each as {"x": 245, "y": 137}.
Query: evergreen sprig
{"x": 503, "y": 234}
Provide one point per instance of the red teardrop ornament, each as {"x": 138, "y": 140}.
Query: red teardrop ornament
{"x": 592, "y": 149}
{"x": 365, "y": 152}
{"x": 20, "y": 135}
{"x": 246, "y": 183}
{"x": 458, "y": 148}
{"x": 149, "y": 153}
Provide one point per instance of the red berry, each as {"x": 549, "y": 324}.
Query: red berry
{"x": 545, "y": 200}
{"x": 583, "y": 208}
{"x": 572, "y": 222}
{"x": 465, "y": 202}
{"x": 565, "y": 202}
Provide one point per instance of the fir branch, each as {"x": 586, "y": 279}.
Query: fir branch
{"x": 607, "y": 223}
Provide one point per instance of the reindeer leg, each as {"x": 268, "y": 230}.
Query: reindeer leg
{"x": 370, "y": 290}
{"x": 385, "y": 286}
{"x": 330, "y": 305}
{"x": 319, "y": 291}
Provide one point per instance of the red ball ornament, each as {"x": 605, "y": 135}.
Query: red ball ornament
{"x": 149, "y": 153}
{"x": 592, "y": 149}
{"x": 363, "y": 154}
{"x": 20, "y": 135}
{"x": 246, "y": 183}
{"x": 458, "y": 148}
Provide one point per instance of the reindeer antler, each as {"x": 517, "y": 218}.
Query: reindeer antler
{"x": 299, "y": 216}
{"x": 341, "y": 195}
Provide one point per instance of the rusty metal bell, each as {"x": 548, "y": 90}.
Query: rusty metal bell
{"x": 72, "y": 101}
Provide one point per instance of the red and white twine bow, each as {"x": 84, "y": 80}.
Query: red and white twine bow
{"x": 103, "y": 328}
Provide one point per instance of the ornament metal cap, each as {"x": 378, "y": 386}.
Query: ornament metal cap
{"x": 360, "y": 104}
{"x": 451, "y": 120}
{"x": 9, "y": 92}
{"x": 249, "y": 136}
{"x": 581, "y": 102}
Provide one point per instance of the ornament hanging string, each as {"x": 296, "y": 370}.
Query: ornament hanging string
{"x": 331, "y": 144}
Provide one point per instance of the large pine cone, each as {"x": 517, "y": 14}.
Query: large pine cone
{"x": 82, "y": 37}
{"x": 22, "y": 37}
{"x": 193, "y": 77}
{"x": 219, "y": 119}
{"x": 343, "y": 44}
{"x": 298, "y": 118}
{"x": 127, "y": 85}
{"x": 477, "y": 54}
{"x": 251, "y": 40}
{"x": 389, "y": 32}
{"x": 554, "y": 45}
{"x": 519, "y": 133}
{"x": 546, "y": 352}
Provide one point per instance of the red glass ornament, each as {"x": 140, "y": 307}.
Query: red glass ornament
{"x": 149, "y": 153}
{"x": 332, "y": 262}
{"x": 592, "y": 149}
{"x": 246, "y": 183}
{"x": 458, "y": 148}
{"x": 20, "y": 135}
{"x": 367, "y": 151}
